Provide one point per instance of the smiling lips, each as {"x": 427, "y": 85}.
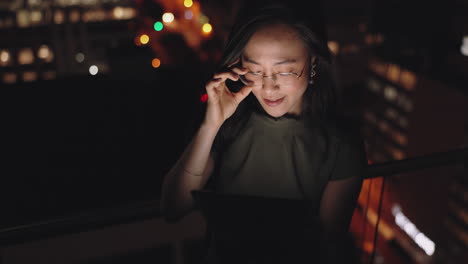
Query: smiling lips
{"x": 273, "y": 102}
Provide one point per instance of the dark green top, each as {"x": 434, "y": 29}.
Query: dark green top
{"x": 287, "y": 158}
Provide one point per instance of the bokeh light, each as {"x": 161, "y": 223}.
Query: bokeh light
{"x": 203, "y": 19}
{"x": 188, "y": 3}
{"x": 207, "y": 28}
{"x": 168, "y": 17}
{"x": 79, "y": 57}
{"x": 188, "y": 14}
{"x": 144, "y": 39}
{"x": 156, "y": 63}
{"x": 158, "y": 26}
{"x": 204, "y": 98}
{"x": 93, "y": 70}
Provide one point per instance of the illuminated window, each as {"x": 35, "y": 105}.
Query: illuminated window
{"x": 118, "y": 12}
{"x": 390, "y": 93}
{"x": 94, "y": 15}
{"x": 393, "y": 73}
{"x": 45, "y": 53}
{"x": 9, "y": 77}
{"x": 23, "y": 18}
{"x": 378, "y": 67}
{"x": 26, "y": 56}
{"x": 395, "y": 153}
{"x": 5, "y": 58}
{"x": 408, "y": 80}
{"x": 59, "y": 17}
{"x": 36, "y": 17}
{"x": 74, "y": 16}
{"x": 399, "y": 138}
{"x": 29, "y": 76}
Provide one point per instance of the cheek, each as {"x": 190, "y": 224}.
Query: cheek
{"x": 257, "y": 91}
{"x": 297, "y": 90}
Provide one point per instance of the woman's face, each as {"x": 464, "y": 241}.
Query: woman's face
{"x": 278, "y": 49}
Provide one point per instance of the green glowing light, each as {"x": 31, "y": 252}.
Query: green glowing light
{"x": 158, "y": 26}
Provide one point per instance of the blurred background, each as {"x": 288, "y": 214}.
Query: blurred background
{"x": 99, "y": 97}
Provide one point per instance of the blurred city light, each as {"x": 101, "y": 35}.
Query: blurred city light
{"x": 188, "y": 3}
{"x": 204, "y": 98}
{"x": 207, "y": 28}
{"x": 144, "y": 39}
{"x": 168, "y": 17}
{"x": 93, "y": 70}
{"x": 158, "y": 26}
{"x": 188, "y": 14}
{"x": 156, "y": 63}
{"x": 79, "y": 57}
{"x": 464, "y": 47}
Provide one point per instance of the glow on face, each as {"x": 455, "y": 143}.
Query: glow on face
{"x": 274, "y": 49}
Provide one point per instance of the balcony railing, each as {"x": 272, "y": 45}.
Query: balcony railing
{"x": 149, "y": 209}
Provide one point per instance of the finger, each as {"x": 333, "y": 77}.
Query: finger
{"x": 212, "y": 84}
{"x": 227, "y": 75}
{"x": 240, "y": 70}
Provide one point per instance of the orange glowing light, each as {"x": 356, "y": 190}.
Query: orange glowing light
{"x": 156, "y": 63}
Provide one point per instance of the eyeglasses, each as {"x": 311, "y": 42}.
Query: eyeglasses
{"x": 280, "y": 78}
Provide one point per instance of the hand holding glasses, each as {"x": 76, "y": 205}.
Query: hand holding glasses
{"x": 257, "y": 79}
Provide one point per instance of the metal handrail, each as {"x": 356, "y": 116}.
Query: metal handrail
{"x": 416, "y": 163}
{"x": 150, "y": 208}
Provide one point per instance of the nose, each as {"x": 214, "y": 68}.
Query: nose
{"x": 269, "y": 83}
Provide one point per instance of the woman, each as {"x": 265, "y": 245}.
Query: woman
{"x": 275, "y": 135}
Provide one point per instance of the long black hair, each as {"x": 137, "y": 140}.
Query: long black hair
{"x": 320, "y": 97}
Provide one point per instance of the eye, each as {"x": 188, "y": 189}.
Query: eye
{"x": 255, "y": 73}
{"x": 285, "y": 73}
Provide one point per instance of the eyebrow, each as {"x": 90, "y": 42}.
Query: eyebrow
{"x": 286, "y": 61}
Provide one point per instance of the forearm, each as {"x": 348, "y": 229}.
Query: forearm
{"x": 188, "y": 173}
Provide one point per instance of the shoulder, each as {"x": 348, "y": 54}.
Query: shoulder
{"x": 347, "y": 147}
{"x": 344, "y": 132}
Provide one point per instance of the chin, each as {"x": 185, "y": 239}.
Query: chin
{"x": 275, "y": 112}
